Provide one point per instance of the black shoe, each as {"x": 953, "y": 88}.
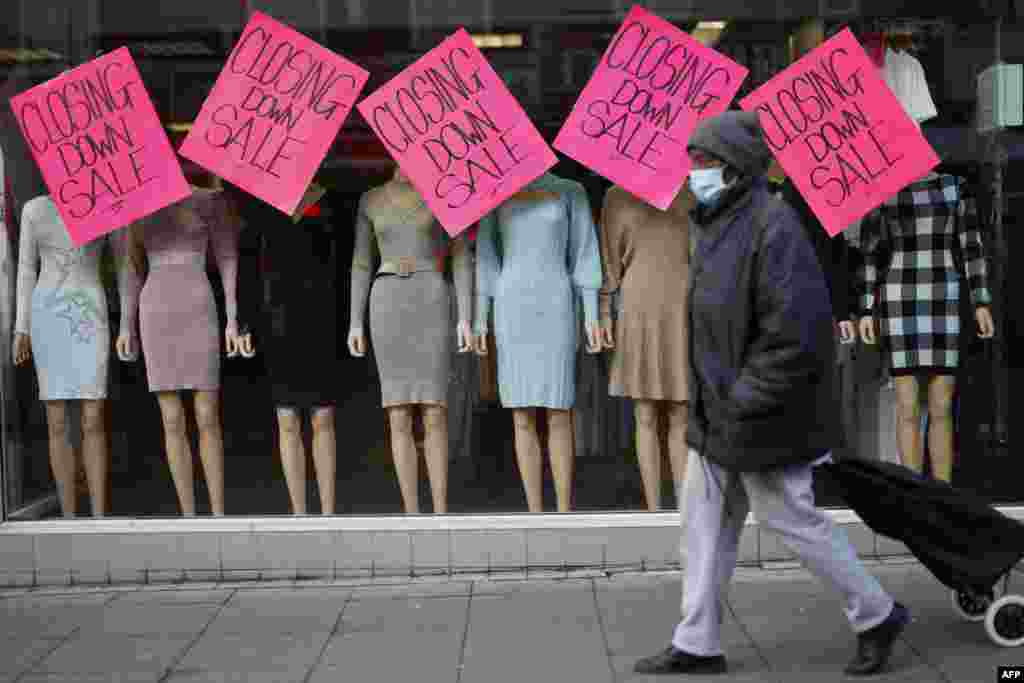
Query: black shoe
{"x": 673, "y": 661}
{"x": 875, "y": 645}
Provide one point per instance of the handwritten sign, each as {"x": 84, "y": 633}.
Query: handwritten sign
{"x": 100, "y": 146}
{"x": 457, "y": 133}
{"x": 652, "y": 86}
{"x": 274, "y": 112}
{"x": 840, "y": 133}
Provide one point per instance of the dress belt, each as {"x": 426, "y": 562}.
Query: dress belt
{"x": 406, "y": 266}
{"x": 198, "y": 260}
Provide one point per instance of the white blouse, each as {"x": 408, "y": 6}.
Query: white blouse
{"x": 905, "y": 77}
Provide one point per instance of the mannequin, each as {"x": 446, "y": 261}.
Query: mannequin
{"x": 62, "y": 323}
{"x": 537, "y": 255}
{"x": 936, "y": 208}
{"x": 177, "y": 319}
{"x": 646, "y": 262}
{"x": 297, "y": 326}
{"x": 399, "y": 240}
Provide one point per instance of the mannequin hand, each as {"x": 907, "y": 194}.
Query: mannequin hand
{"x": 126, "y": 348}
{"x": 480, "y": 344}
{"x": 231, "y": 340}
{"x": 22, "y": 348}
{"x": 594, "y": 337}
{"x": 245, "y": 346}
{"x": 867, "y": 330}
{"x": 357, "y": 342}
{"x": 607, "y": 335}
{"x": 465, "y": 335}
{"x": 986, "y": 326}
{"x": 847, "y": 332}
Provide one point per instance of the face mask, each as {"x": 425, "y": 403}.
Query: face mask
{"x": 707, "y": 183}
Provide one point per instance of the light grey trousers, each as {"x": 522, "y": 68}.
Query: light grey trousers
{"x": 782, "y": 501}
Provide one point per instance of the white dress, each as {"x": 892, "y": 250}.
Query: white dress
{"x": 905, "y": 77}
{"x": 62, "y": 306}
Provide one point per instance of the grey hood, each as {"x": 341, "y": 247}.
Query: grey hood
{"x": 735, "y": 138}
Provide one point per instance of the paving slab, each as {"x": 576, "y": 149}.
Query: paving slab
{"x": 745, "y": 666}
{"x": 639, "y": 616}
{"x": 48, "y": 617}
{"x": 18, "y": 655}
{"x": 276, "y": 611}
{"x": 114, "y": 653}
{"x": 283, "y": 654}
{"x": 553, "y": 634}
{"x": 397, "y": 620}
{"x": 79, "y": 677}
{"x": 429, "y": 655}
{"x": 161, "y": 619}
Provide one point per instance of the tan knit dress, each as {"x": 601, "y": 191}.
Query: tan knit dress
{"x": 646, "y": 259}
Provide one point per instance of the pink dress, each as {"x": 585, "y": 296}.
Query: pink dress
{"x": 175, "y": 308}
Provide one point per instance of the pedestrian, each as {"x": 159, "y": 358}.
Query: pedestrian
{"x": 762, "y": 410}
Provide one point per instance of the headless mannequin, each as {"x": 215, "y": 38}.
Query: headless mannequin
{"x": 95, "y": 450}
{"x": 291, "y": 441}
{"x": 940, "y": 391}
{"x": 172, "y": 412}
{"x": 400, "y": 417}
{"x": 650, "y": 414}
{"x": 559, "y": 424}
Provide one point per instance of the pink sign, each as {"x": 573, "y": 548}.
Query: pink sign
{"x": 457, "y": 133}
{"x": 274, "y": 112}
{"x": 839, "y": 132}
{"x": 651, "y": 88}
{"x": 100, "y": 146}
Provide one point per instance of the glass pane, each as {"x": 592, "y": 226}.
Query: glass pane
{"x": 295, "y": 284}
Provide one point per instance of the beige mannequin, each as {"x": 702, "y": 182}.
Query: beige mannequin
{"x": 289, "y": 428}
{"x": 559, "y": 423}
{"x": 172, "y": 411}
{"x": 940, "y": 407}
{"x": 643, "y": 246}
{"x": 400, "y": 193}
{"x": 95, "y": 452}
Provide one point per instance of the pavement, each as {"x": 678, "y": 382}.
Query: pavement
{"x": 781, "y": 627}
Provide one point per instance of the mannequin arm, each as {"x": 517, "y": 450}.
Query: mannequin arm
{"x": 28, "y": 268}
{"x": 974, "y": 253}
{"x": 488, "y": 267}
{"x": 224, "y": 230}
{"x": 462, "y": 273}
{"x": 364, "y": 263}
{"x": 611, "y": 253}
{"x": 584, "y": 254}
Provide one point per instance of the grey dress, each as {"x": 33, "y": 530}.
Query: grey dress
{"x": 537, "y": 257}
{"x": 62, "y": 306}
{"x": 411, "y": 323}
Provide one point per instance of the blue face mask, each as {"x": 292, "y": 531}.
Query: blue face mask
{"x": 707, "y": 183}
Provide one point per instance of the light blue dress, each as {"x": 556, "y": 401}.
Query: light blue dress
{"x": 62, "y": 306}
{"x": 537, "y": 258}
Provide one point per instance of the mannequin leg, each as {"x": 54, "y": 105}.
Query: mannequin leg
{"x": 179, "y": 451}
{"x": 648, "y": 450}
{"x": 908, "y": 423}
{"x": 940, "y": 425}
{"x": 560, "y": 449}
{"x": 293, "y": 457}
{"x": 403, "y": 450}
{"x": 324, "y": 457}
{"x": 529, "y": 457}
{"x": 211, "y": 446}
{"x": 62, "y": 456}
{"x": 96, "y": 454}
{"x": 435, "y": 428}
{"x": 678, "y": 451}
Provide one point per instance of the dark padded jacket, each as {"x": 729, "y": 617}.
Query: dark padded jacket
{"x": 762, "y": 345}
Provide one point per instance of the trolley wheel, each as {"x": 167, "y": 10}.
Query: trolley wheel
{"x": 971, "y": 606}
{"x": 1004, "y": 622}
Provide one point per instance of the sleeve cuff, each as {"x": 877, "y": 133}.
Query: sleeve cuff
{"x": 589, "y": 305}
{"x": 483, "y": 313}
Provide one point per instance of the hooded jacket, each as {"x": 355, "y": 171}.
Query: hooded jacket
{"x": 762, "y": 342}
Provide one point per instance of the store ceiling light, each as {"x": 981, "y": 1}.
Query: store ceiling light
{"x": 711, "y": 25}
{"x": 497, "y": 40}
{"x": 21, "y": 55}
{"x": 179, "y": 127}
